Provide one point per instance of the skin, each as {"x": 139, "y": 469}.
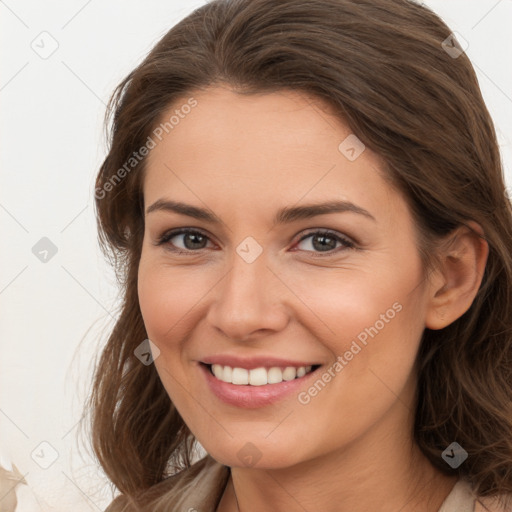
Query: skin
{"x": 350, "y": 448}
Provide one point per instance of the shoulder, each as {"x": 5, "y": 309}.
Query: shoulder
{"x": 462, "y": 498}
{"x": 200, "y": 486}
{"x": 500, "y": 503}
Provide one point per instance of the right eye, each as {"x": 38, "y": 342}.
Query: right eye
{"x": 192, "y": 240}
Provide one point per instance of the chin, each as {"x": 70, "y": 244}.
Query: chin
{"x": 254, "y": 454}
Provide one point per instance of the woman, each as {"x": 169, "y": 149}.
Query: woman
{"x": 306, "y": 208}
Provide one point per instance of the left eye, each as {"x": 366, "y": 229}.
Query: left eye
{"x": 324, "y": 241}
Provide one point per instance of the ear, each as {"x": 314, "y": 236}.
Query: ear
{"x": 455, "y": 283}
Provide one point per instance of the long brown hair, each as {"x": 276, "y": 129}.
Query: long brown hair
{"x": 386, "y": 70}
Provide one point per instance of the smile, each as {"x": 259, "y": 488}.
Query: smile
{"x": 258, "y": 376}
{"x": 257, "y": 381}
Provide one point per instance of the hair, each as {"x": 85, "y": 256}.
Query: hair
{"x": 381, "y": 66}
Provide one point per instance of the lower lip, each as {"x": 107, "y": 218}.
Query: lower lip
{"x": 252, "y": 397}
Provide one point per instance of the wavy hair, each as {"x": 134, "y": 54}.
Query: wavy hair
{"x": 384, "y": 68}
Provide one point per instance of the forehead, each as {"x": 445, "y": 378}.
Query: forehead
{"x": 251, "y": 125}
{"x": 258, "y": 150}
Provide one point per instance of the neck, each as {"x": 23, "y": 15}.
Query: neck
{"x": 382, "y": 470}
{"x": 297, "y": 490}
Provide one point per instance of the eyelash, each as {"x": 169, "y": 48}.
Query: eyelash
{"x": 167, "y": 236}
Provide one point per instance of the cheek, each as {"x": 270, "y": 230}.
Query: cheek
{"x": 155, "y": 303}
{"x": 347, "y": 304}
{"x": 167, "y": 298}
{"x": 371, "y": 323}
{"x": 374, "y": 332}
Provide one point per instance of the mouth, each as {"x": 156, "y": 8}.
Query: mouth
{"x": 261, "y": 376}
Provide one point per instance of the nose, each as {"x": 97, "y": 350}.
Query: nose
{"x": 249, "y": 301}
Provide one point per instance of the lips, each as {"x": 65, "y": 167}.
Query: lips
{"x": 250, "y": 363}
{"x": 255, "y": 382}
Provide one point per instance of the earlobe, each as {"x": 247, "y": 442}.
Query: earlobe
{"x": 453, "y": 289}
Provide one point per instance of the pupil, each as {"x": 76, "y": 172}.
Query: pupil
{"x": 323, "y": 246}
{"x": 193, "y": 236}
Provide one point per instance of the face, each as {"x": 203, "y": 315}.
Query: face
{"x": 311, "y": 319}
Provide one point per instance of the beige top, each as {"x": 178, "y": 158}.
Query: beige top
{"x": 204, "y": 483}
{"x": 462, "y": 499}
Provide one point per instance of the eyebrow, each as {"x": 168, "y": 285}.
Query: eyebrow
{"x": 285, "y": 215}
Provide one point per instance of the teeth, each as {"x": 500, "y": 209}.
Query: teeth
{"x": 228, "y": 374}
{"x": 275, "y": 376}
{"x": 258, "y": 376}
{"x": 240, "y": 376}
{"x": 289, "y": 373}
{"x": 218, "y": 371}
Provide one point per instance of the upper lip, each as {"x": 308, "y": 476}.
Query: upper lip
{"x": 250, "y": 363}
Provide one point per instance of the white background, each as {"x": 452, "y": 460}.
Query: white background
{"x": 52, "y": 145}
